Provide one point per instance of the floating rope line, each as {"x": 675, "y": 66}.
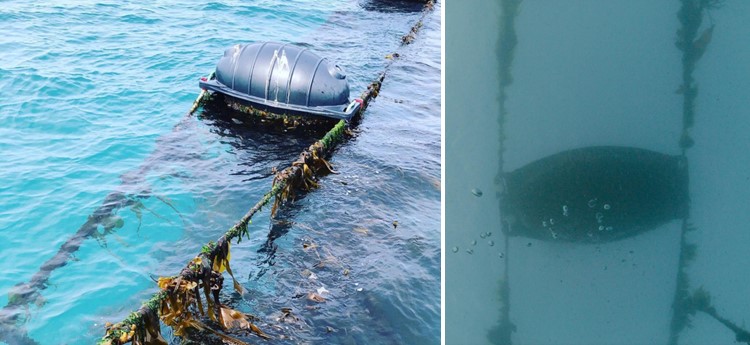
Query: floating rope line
{"x": 693, "y": 47}
{"x": 105, "y": 216}
{"x": 178, "y": 303}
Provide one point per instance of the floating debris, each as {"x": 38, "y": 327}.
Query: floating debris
{"x": 483, "y": 235}
{"x": 315, "y": 297}
{"x": 395, "y": 224}
{"x": 470, "y": 251}
{"x": 491, "y": 243}
{"x": 455, "y": 249}
{"x": 477, "y": 192}
{"x": 606, "y": 206}
{"x": 501, "y": 255}
{"x": 473, "y": 242}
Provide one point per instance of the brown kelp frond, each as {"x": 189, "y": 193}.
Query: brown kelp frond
{"x": 234, "y": 319}
{"x": 191, "y": 296}
{"x": 311, "y": 164}
{"x": 220, "y": 257}
{"x": 182, "y": 302}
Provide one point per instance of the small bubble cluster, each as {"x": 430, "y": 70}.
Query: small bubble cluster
{"x": 472, "y": 243}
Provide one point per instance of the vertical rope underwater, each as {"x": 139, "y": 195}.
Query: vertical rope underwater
{"x": 506, "y": 44}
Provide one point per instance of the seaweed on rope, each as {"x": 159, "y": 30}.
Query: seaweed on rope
{"x": 506, "y": 45}
{"x": 693, "y": 46}
{"x": 180, "y": 301}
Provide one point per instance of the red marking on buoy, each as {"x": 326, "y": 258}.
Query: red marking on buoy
{"x": 204, "y": 79}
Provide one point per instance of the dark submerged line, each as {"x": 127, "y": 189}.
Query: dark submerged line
{"x": 25, "y": 293}
{"x": 685, "y": 305}
{"x": 506, "y": 44}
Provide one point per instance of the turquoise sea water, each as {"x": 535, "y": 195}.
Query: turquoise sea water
{"x": 585, "y": 74}
{"x": 94, "y": 101}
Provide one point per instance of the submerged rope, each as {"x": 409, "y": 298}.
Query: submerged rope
{"x": 690, "y": 16}
{"x": 685, "y": 304}
{"x": 506, "y": 44}
{"x": 26, "y": 293}
{"x": 181, "y": 293}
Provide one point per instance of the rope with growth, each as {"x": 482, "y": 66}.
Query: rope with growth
{"x": 693, "y": 46}
{"x": 506, "y": 44}
{"x": 104, "y": 216}
{"x": 179, "y": 303}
